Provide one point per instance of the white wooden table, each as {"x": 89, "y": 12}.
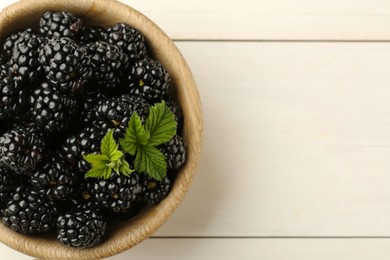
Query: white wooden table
{"x": 296, "y": 158}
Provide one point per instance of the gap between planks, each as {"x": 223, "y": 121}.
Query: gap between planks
{"x": 270, "y": 237}
{"x": 280, "y": 40}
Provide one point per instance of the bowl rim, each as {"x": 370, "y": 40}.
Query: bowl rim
{"x": 137, "y": 229}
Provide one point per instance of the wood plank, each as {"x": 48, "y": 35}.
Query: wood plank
{"x": 273, "y": 249}
{"x": 226, "y": 249}
{"x": 296, "y": 141}
{"x": 268, "y": 20}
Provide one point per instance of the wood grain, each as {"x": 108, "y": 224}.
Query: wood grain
{"x": 270, "y": 20}
{"x": 296, "y": 140}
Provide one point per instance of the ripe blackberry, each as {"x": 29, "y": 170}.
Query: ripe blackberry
{"x": 176, "y": 110}
{"x": 6, "y": 183}
{"x": 155, "y": 191}
{"x": 82, "y": 229}
{"x": 21, "y": 149}
{"x": 108, "y": 63}
{"x": 86, "y": 141}
{"x": 50, "y": 110}
{"x": 54, "y": 179}
{"x": 116, "y": 111}
{"x": 129, "y": 39}
{"x": 87, "y": 102}
{"x": 24, "y": 62}
{"x": 91, "y": 34}
{"x": 60, "y": 24}
{"x": 67, "y": 66}
{"x": 149, "y": 79}
{"x": 29, "y": 212}
{"x": 13, "y": 97}
{"x": 118, "y": 193}
{"x": 175, "y": 152}
{"x": 10, "y": 41}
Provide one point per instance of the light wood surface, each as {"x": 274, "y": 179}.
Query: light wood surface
{"x": 297, "y": 130}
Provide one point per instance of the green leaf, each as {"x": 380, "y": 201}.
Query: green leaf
{"x": 99, "y": 173}
{"x": 110, "y": 159}
{"x": 97, "y": 160}
{"x": 161, "y": 124}
{"x": 136, "y": 135}
{"x": 116, "y": 156}
{"x": 124, "y": 168}
{"x": 151, "y": 161}
{"x": 109, "y": 146}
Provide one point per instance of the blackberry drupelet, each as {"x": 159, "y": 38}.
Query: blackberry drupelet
{"x": 29, "y": 212}
{"x": 82, "y": 229}
{"x": 155, "y": 190}
{"x": 21, "y": 149}
{"x": 60, "y": 24}
{"x": 51, "y": 110}
{"x": 67, "y": 66}
{"x": 149, "y": 79}
{"x": 54, "y": 179}
{"x": 129, "y": 39}
{"x": 13, "y": 97}
{"x": 116, "y": 111}
{"x": 175, "y": 152}
{"x": 108, "y": 63}
{"x": 118, "y": 193}
{"x": 91, "y": 34}
{"x": 24, "y": 63}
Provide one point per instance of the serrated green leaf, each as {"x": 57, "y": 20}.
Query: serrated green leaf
{"x": 110, "y": 160}
{"x": 99, "y": 173}
{"x": 136, "y": 135}
{"x": 109, "y": 146}
{"x": 151, "y": 161}
{"x": 97, "y": 160}
{"x": 161, "y": 124}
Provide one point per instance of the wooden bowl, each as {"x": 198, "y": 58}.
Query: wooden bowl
{"x": 126, "y": 234}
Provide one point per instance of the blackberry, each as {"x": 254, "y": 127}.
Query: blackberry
{"x": 51, "y": 110}
{"x": 67, "y": 66}
{"x": 60, "y": 24}
{"x": 6, "y": 183}
{"x": 91, "y": 34}
{"x": 175, "y": 152}
{"x": 82, "y": 229}
{"x": 13, "y": 97}
{"x": 149, "y": 79}
{"x": 10, "y": 43}
{"x": 118, "y": 193}
{"x": 129, "y": 39}
{"x": 116, "y": 111}
{"x": 54, "y": 179}
{"x": 108, "y": 63}
{"x": 29, "y": 212}
{"x": 24, "y": 62}
{"x": 21, "y": 149}
{"x": 176, "y": 110}
{"x": 155, "y": 190}
{"x": 81, "y": 198}
{"x": 84, "y": 142}
{"x": 88, "y": 100}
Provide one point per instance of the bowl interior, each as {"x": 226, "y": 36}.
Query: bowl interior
{"x": 130, "y": 232}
